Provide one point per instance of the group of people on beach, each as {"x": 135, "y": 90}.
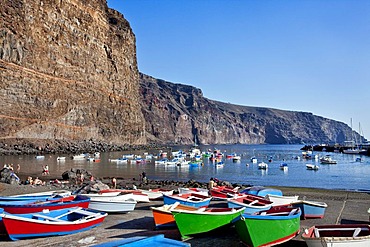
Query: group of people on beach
{"x": 35, "y": 181}
{"x": 11, "y": 167}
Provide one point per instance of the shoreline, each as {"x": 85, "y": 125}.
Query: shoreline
{"x": 343, "y": 207}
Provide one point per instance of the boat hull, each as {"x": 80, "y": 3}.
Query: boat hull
{"x": 191, "y": 199}
{"x": 251, "y": 203}
{"x": 25, "y": 207}
{"x": 112, "y": 206}
{"x": 195, "y": 222}
{"x": 158, "y": 240}
{"x": 337, "y": 236}
{"x": 311, "y": 210}
{"x": 21, "y": 227}
{"x": 281, "y": 200}
{"x": 260, "y": 230}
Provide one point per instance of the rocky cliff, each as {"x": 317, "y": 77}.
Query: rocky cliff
{"x": 68, "y": 71}
{"x": 177, "y": 113}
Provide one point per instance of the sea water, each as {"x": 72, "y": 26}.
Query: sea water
{"x": 347, "y": 174}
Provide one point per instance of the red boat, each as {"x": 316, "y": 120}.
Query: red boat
{"x": 224, "y": 193}
{"x": 51, "y": 223}
{"x": 32, "y": 206}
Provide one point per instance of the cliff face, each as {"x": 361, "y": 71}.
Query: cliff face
{"x": 68, "y": 70}
{"x": 177, "y": 113}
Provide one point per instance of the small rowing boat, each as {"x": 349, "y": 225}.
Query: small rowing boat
{"x": 50, "y": 223}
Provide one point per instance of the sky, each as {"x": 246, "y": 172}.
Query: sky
{"x": 307, "y": 55}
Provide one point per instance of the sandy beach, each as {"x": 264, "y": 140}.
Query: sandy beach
{"x": 343, "y": 207}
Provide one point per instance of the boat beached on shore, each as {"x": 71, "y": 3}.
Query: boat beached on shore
{"x": 50, "y": 223}
{"x": 279, "y": 224}
{"x": 337, "y": 235}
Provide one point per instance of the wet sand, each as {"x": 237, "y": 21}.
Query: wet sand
{"x": 343, "y": 207}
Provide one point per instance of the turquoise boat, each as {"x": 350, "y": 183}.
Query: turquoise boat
{"x": 157, "y": 240}
{"x": 261, "y": 191}
{"x": 267, "y": 228}
{"x": 203, "y": 220}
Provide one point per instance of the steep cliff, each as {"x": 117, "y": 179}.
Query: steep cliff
{"x": 68, "y": 70}
{"x": 177, "y": 113}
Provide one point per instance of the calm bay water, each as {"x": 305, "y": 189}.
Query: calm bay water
{"x": 347, "y": 174}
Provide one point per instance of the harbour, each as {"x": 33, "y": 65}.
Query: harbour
{"x": 350, "y": 172}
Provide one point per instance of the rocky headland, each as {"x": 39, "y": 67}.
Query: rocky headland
{"x": 69, "y": 78}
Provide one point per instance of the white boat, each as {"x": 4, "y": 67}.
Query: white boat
{"x": 46, "y": 193}
{"x": 112, "y": 204}
{"x": 281, "y": 200}
{"x": 137, "y": 195}
{"x": 161, "y": 162}
{"x": 40, "y": 157}
{"x": 312, "y": 167}
{"x": 236, "y": 157}
{"x": 201, "y": 191}
{"x": 61, "y": 158}
{"x": 327, "y": 160}
{"x": 79, "y": 157}
{"x": 174, "y": 161}
{"x": 263, "y": 165}
{"x": 351, "y": 235}
{"x": 156, "y": 193}
{"x": 119, "y": 160}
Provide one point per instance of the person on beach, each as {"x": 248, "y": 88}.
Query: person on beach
{"x": 211, "y": 184}
{"x": 45, "y": 170}
{"x": 29, "y": 180}
{"x": 38, "y": 181}
{"x": 82, "y": 178}
{"x": 143, "y": 174}
{"x": 18, "y": 168}
{"x": 114, "y": 183}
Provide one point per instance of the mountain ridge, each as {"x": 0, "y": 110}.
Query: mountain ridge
{"x": 68, "y": 72}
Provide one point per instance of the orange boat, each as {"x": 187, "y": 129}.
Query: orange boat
{"x": 163, "y": 217}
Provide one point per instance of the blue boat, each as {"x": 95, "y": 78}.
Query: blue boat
{"x": 261, "y": 191}
{"x": 311, "y": 209}
{"x": 190, "y": 199}
{"x": 37, "y": 196}
{"x": 157, "y": 240}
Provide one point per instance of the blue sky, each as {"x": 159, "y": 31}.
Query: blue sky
{"x": 310, "y": 56}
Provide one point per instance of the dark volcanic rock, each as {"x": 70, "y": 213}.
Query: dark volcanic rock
{"x": 68, "y": 71}
{"x": 70, "y": 82}
{"x": 179, "y": 114}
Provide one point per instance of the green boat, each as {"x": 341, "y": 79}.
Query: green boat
{"x": 267, "y": 228}
{"x": 204, "y": 219}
